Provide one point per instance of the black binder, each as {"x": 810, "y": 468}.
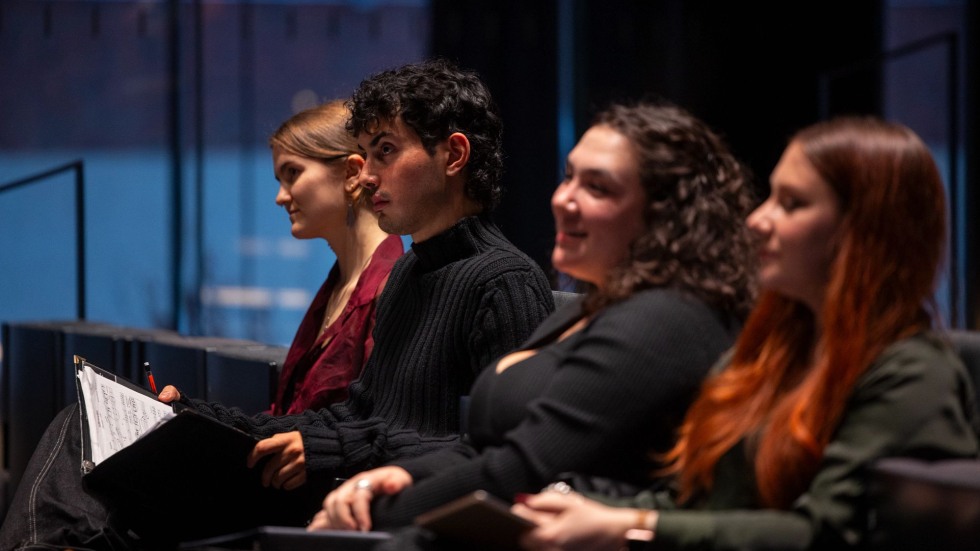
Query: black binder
{"x": 187, "y": 479}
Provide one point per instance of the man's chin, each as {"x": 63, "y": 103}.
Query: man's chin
{"x": 388, "y": 225}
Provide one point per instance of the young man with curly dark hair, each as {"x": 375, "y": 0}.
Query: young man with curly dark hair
{"x": 461, "y": 297}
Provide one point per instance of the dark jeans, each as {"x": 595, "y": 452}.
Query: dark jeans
{"x": 51, "y": 509}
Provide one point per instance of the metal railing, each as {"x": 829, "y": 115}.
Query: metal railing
{"x": 78, "y": 168}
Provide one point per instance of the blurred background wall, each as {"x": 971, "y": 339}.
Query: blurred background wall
{"x": 162, "y": 109}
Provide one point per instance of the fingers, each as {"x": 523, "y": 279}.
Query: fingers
{"x": 320, "y": 521}
{"x": 336, "y": 513}
{"x": 283, "y": 476}
{"x": 349, "y": 506}
{"x": 294, "y": 481}
{"x": 269, "y": 472}
{"x": 169, "y": 394}
{"x": 551, "y": 502}
{"x": 361, "y": 504}
{"x": 395, "y": 480}
{"x": 286, "y": 466}
{"x": 526, "y": 512}
{"x": 283, "y": 473}
{"x": 262, "y": 449}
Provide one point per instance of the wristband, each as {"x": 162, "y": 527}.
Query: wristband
{"x": 642, "y": 532}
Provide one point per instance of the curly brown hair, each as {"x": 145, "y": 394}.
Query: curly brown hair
{"x": 435, "y": 99}
{"x": 698, "y": 197}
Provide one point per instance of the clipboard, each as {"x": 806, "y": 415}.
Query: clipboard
{"x": 478, "y": 520}
{"x": 123, "y": 387}
{"x": 186, "y": 479}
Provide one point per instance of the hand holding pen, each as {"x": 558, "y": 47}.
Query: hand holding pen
{"x": 149, "y": 377}
{"x": 169, "y": 393}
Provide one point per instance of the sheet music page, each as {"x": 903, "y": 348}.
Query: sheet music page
{"x": 117, "y": 415}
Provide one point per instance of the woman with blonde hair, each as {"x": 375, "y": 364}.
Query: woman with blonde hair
{"x": 317, "y": 165}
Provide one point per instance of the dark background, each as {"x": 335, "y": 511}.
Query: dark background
{"x": 750, "y": 70}
{"x": 169, "y": 102}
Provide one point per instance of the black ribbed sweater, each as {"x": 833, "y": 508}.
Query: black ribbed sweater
{"x": 596, "y": 403}
{"x": 452, "y": 305}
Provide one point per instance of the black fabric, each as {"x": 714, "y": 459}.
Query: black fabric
{"x": 597, "y": 403}
{"x": 61, "y": 515}
{"x": 453, "y": 304}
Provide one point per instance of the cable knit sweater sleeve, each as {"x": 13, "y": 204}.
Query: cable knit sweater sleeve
{"x": 633, "y": 364}
{"x": 509, "y": 311}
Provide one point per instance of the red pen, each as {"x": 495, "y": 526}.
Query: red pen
{"x": 149, "y": 377}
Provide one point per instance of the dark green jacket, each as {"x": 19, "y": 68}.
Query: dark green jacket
{"x": 916, "y": 400}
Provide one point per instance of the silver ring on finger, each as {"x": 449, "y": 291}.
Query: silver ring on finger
{"x": 363, "y": 484}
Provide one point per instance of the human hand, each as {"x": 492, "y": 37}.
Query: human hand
{"x": 570, "y": 522}
{"x": 169, "y": 394}
{"x": 349, "y": 506}
{"x": 286, "y": 468}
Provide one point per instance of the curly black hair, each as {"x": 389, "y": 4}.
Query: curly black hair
{"x": 698, "y": 197}
{"x": 435, "y": 99}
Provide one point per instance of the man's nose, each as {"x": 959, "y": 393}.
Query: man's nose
{"x": 368, "y": 181}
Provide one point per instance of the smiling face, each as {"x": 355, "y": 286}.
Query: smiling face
{"x": 312, "y": 192}
{"x": 796, "y": 227}
{"x": 411, "y": 191}
{"x": 598, "y": 206}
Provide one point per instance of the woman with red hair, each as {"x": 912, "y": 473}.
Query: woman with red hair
{"x": 837, "y": 365}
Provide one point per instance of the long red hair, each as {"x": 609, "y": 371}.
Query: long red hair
{"x": 788, "y": 381}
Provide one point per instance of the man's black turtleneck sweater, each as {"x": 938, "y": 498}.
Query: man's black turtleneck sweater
{"x": 452, "y": 305}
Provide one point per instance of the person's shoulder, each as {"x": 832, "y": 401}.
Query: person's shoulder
{"x": 501, "y": 257}
{"x": 922, "y": 347}
{"x": 669, "y": 315}
{"x": 924, "y": 383}
{"x": 924, "y": 356}
{"x": 669, "y": 303}
{"x": 667, "y": 296}
{"x": 507, "y": 257}
{"x": 677, "y": 315}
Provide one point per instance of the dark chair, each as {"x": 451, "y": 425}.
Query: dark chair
{"x": 244, "y": 377}
{"x": 920, "y": 505}
{"x": 967, "y": 345}
{"x": 181, "y": 360}
{"x": 564, "y": 297}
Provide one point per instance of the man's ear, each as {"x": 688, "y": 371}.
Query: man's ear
{"x": 459, "y": 153}
{"x": 354, "y": 165}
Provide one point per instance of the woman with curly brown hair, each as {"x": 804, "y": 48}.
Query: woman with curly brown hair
{"x": 837, "y": 366}
{"x": 651, "y": 214}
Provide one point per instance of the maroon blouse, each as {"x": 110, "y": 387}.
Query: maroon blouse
{"x": 317, "y": 370}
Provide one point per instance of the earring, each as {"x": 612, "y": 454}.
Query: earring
{"x": 350, "y": 213}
